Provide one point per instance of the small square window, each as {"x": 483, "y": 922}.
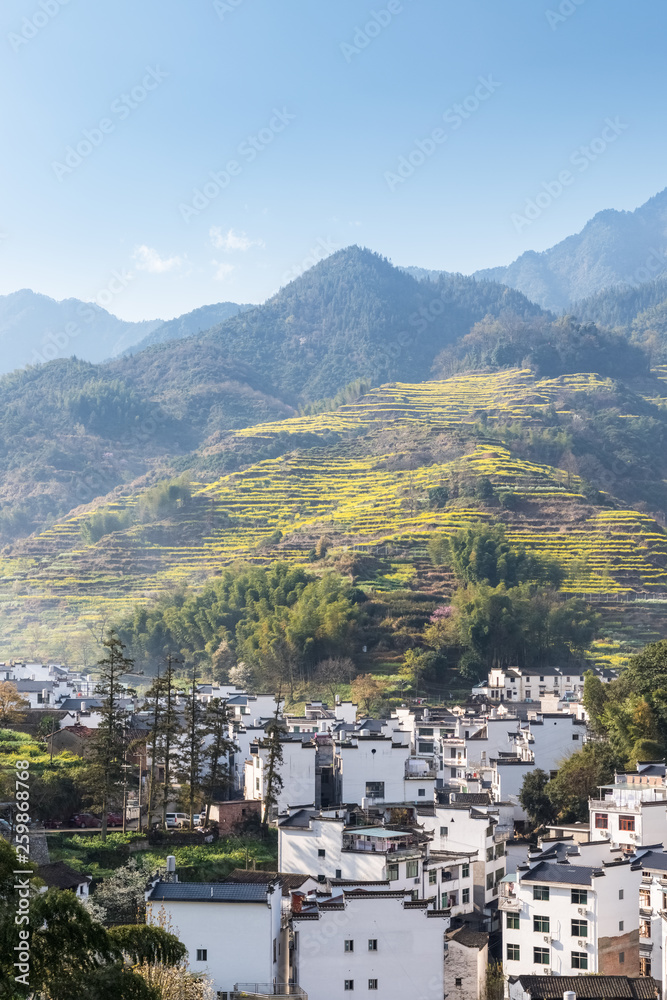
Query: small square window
{"x": 621, "y": 957}
{"x": 443, "y": 831}
{"x": 349, "y": 945}
{"x": 372, "y": 984}
{"x": 512, "y": 953}
{"x": 465, "y": 871}
{"x": 620, "y": 893}
{"x": 349, "y": 984}
{"x": 420, "y": 791}
{"x": 372, "y": 944}
{"x": 458, "y": 982}
{"x": 512, "y": 921}
{"x": 202, "y": 954}
{"x": 392, "y": 872}
{"x": 433, "y": 876}
{"x": 621, "y": 925}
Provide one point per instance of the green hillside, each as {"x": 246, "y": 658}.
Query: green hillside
{"x": 378, "y": 478}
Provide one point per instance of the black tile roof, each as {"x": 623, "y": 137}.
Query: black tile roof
{"x": 469, "y": 938}
{"x": 568, "y": 874}
{"x": 653, "y": 860}
{"x": 61, "y": 876}
{"x": 589, "y": 987}
{"x": 290, "y": 881}
{"x": 300, "y": 819}
{"x": 214, "y": 892}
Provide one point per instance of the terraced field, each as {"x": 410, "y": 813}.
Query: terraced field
{"x": 356, "y": 495}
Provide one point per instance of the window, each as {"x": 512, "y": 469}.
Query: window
{"x": 644, "y": 966}
{"x": 202, "y": 954}
{"x": 339, "y": 873}
{"x": 579, "y": 928}
{"x": 489, "y": 831}
{"x": 465, "y": 872}
{"x": 372, "y": 984}
{"x": 621, "y": 925}
{"x": 372, "y": 944}
{"x": 321, "y": 853}
{"x": 433, "y": 876}
{"x": 444, "y": 831}
{"x": 489, "y": 880}
{"x": 645, "y": 897}
{"x": 392, "y": 872}
{"x": 425, "y": 731}
{"x": 257, "y": 784}
{"x": 541, "y": 892}
{"x": 541, "y": 924}
{"x": 512, "y": 921}
{"x": 424, "y": 747}
{"x": 621, "y": 958}
{"x": 644, "y": 928}
{"x": 458, "y": 982}
{"x": 541, "y": 956}
{"x": 412, "y": 869}
{"x": 626, "y": 823}
{"x": 375, "y": 789}
{"x": 601, "y": 821}
{"x": 527, "y": 693}
{"x": 349, "y": 945}
{"x": 465, "y": 895}
{"x": 512, "y": 953}
{"x": 575, "y": 736}
{"x": 421, "y": 791}
{"x": 500, "y": 850}
{"x": 414, "y": 894}
{"x": 275, "y": 950}
{"x": 500, "y": 875}
{"x": 489, "y": 854}
{"x": 579, "y": 960}
{"x": 349, "y": 984}
{"x": 620, "y": 893}
{"x": 443, "y": 901}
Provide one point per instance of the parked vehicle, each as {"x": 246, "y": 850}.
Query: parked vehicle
{"x": 114, "y": 819}
{"x": 84, "y": 820}
{"x": 176, "y": 820}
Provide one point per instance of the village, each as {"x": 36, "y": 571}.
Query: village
{"x": 405, "y": 861}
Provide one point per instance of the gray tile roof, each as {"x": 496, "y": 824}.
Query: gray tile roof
{"x": 589, "y": 987}
{"x": 653, "y": 860}
{"x": 213, "y": 892}
{"x": 568, "y": 874}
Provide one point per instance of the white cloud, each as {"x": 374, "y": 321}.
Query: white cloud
{"x": 148, "y": 259}
{"x": 230, "y": 240}
{"x": 222, "y": 270}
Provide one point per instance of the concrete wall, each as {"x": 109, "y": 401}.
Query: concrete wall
{"x": 469, "y": 966}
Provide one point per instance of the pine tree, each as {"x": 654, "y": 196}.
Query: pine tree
{"x": 274, "y": 782}
{"x": 190, "y": 749}
{"x": 110, "y": 742}
{"x": 168, "y": 734}
{"x": 216, "y": 754}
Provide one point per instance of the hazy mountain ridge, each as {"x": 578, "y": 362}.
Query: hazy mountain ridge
{"x": 189, "y": 324}
{"x": 614, "y": 248}
{"x": 35, "y": 328}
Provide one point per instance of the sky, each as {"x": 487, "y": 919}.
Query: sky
{"x": 162, "y": 154}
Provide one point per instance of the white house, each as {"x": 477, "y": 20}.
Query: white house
{"x": 375, "y": 942}
{"x": 567, "y": 919}
{"x": 232, "y": 931}
{"x": 629, "y": 815}
{"x": 467, "y": 962}
{"x": 297, "y": 771}
{"x": 375, "y": 768}
{"x": 652, "y": 906}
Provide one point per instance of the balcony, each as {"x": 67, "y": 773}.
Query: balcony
{"x": 646, "y": 911}
{"x": 261, "y": 990}
{"x": 430, "y": 772}
{"x": 508, "y": 900}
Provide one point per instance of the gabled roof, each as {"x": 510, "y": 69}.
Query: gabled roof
{"x": 290, "y": 881}
{"x": 468, "y": 938}
{"x": 213, "y": 892}
{"x": 300, "y": 819}
{"x": 589, "y": 987}
{"x": 566, "y": 874}
{"x": 61, "y": 876}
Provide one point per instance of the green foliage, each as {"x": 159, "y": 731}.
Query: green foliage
{"x": 579, "y": 778}
{"x": 550, "y": 347}
{"x": 481, "y": 554}
{"x": 438, "y": 497}
{"x": 98, "y": 525}
{"x": 276, "y": 620}
{"x": 534, "y": 798}
{"x": 147, "y": 943}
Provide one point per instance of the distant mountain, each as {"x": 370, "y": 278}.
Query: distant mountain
{"x": 614, "y": 248}
{"x": 190, "y": 323}
{"x": 35, "y": 328}
{"x": 351, "y": 316}
{"x": 639, "y": 311}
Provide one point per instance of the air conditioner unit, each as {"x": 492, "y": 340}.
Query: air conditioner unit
{"x": 582, "y": 910}
{"x": 547, "y": 938}
{"x": 547, "y": 972}
{"x": 582, "y": 944}
{"x": 633, "y": 836}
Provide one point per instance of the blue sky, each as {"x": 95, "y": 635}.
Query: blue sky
{"x": 311, "y": 104}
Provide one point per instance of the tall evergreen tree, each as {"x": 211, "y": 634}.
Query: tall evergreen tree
{"x": 110, "y": 741}
{"x": 274, "y": 781}
{"x": 217, "y": 752}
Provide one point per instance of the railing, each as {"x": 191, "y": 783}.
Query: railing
{"x": 268, "y": 990}
{"x": 415, "y": 775}
{"x": 508, "y": 902}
